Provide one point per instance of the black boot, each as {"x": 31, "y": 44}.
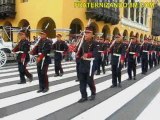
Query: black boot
{"x": 92, "y": 97}
{"x": 45, "y": 90}
{"x": 61, "y": 74}
{"x": 82, "y": 100}
{"x": 40, "y": 90}
{"x": 30, "y": 79}
{"x": 56, "y": 75}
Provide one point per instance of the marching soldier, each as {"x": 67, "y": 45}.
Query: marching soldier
{"x": 139, "y": 55}
{"x": 23, "y": 57}
{"x": 96, "y": 61}
{"x": 98, "y": 58}
{"x": 102, "y": 54}
{"x": 145, "y": 48}
{"x": 132, "y": 54}
{"x": 158, "y": 52}
{"x": 117, "y": 60}
{"x": 59, "y": 47}
{"x": 87, "y": 53}
{"x": 154, "y": 53}
{"x": 150, "y": 53}
{"x": 107, "y": 44}
{"x": 125, "y": 43}
{"x": 43, "y": 60}
{"x": 77, "y": 57}
{"x": 105, "y": 54}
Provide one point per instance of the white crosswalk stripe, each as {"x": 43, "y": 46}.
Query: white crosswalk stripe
{"x": 67, "y": 94}
{"x": 33, "y": 70}
{"x": 153, "y": 108}
{"x": 120, "y": 99}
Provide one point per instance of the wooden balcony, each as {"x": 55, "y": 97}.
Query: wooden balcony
{"x": 7, "y": 9}
{"x": 108, "y": 15}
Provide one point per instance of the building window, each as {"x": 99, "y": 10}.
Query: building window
{"x": 142, "y": 13}
{"x": 75, "y": 28}
{"x": 2, "y": 1}
{"x": 125, "y": 13}
{"x": 146, "y": 16}
{"x": 7, "y": 1}
{"x": 137, "y": 15}
{"x": 132, "y": 11}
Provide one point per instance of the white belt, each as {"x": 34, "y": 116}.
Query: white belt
{"x": 100, "y": 51}
{"x": 116, "y": 54}
{"x": 41, "y": 53}
{"x": 145, "y": 51}
{"x": 89, "y": 59}
{"x": 19, "y": 52}
{"x": 132, "y": 53}
{"x": 59, "y": 51}
{"x": 91, "y": 64}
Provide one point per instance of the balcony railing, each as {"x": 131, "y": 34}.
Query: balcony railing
{"x": 108, "y": 15}
{"x": 133, "y": 24}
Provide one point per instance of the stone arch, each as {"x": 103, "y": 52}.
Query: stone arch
{"x": 145, "y": 36}
{"x": 106, "y": 32}
{"x": 125, "y": 34}
{"x": 76, "y": 25}
{"x": 43, "y": 23}
{"x": 115, "y": 32}
{"x": 95, "y": 27}
{"x": 131, "y": 33}
{"x": 141, "y": 37}
{"x": 24, "y": 24}
{"x": 137, "y": 35}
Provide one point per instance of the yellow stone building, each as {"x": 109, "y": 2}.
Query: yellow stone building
{"x": 67, "y": 14}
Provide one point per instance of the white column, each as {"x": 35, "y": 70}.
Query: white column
{"x": 146, "y": 22}
{"x": 139, "y": 15}
{"x": 135, "y": 14}
{"x": 144, "y": 17}
{"x": 129, "y": 11}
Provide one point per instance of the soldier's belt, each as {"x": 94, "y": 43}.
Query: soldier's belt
{"x": 100, "y": 51}
{"x": 116, "y": 54}
{"x": 132, "y": 53}
{"x": 19, "y": 52}
{"x": 59, "y": 51}
{"x": 41, "y": 53}
{"x": 89, "y": 59}
{"x": 145, "y": 51}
